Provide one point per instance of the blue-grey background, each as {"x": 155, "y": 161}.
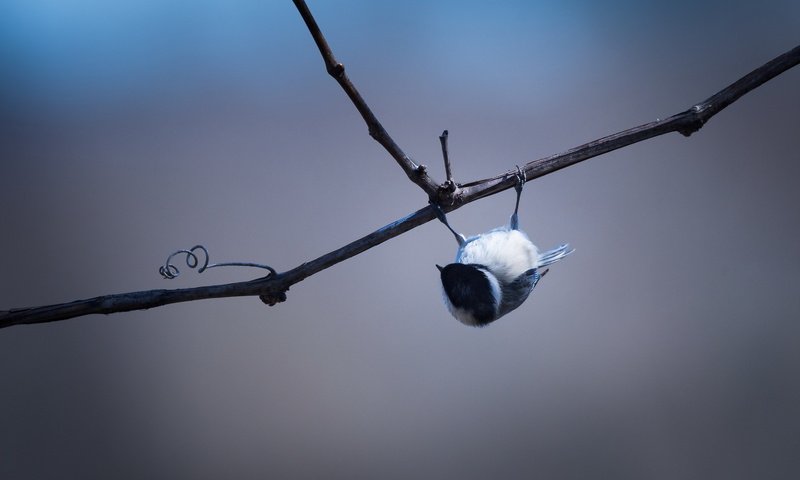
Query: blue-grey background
{"x": 666, "y": 347}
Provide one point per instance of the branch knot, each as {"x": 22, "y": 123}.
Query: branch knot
{"x": 695, "y": 120}
{"x": 273, "y": 298}
{"x": 336, "y": 70}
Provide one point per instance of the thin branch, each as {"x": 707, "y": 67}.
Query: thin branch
{"x": 272, "y": 288}
{"x": 686, "y": 123}
{"x": 447, "y": 169}
{"x": 416, "y": 173}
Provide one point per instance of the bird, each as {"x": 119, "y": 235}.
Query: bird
{"x": 494, "y": 272}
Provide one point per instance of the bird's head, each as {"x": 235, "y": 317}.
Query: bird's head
{"x": 471, "y": 292}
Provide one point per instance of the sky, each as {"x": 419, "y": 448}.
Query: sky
{"x": 667, "y": 346}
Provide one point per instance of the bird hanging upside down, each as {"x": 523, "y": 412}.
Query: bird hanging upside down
{"x": 494, "y": 272}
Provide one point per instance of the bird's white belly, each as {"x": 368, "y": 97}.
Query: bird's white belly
{"x": 506, "y": 253}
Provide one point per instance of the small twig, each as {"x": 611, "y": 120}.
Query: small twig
{"x": 447, "y": 170}
{"x": 273, "y": 287}
{"x": 170, "y": 271}
{"x": 449, "y": 183}
{"x": 416, "y": 173}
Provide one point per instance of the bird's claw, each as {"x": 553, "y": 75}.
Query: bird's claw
{"x": 521, "y": 179}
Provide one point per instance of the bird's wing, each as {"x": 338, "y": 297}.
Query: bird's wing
{"x": 516, "y": 292}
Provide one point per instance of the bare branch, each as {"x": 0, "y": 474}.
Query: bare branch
{"x": 123, "y": 302}
{"x": 272, "y": 288}
{"x": 686, "y": 123}
{"x": 416, "y": 173}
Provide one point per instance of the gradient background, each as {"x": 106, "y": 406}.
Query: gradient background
{"x": 666, "y": 347}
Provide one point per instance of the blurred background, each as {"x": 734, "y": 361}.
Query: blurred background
{"x": 665, "y": 347}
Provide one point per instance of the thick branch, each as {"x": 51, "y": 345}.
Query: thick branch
{"x": 416, "y": 173}
{"x": 273, "y": 287}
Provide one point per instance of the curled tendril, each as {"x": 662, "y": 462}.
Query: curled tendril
{"x": 170, "y": 271}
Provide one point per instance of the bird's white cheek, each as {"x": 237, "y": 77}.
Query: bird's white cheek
{"x": 464, "y": 317}
{"x": 497, "y": 293}
{"x": 460, "y": 314}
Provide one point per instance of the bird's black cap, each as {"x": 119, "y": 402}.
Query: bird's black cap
{"x": 468, "y": 288}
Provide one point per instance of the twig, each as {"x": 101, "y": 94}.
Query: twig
{"x": 416, "y": 173}
{"x": 272, "y": 288}
{"x": 170, "y": 271}
{"x": 449, "y": 184}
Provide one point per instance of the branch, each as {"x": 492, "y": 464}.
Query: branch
{"x": 416, "y": 173}
{"x": 272, "y": 288}
{"x": 686, "y": 123}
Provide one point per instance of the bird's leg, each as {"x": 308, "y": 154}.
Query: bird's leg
{"x": 442, "y": 218}
{"x": 518, "y": 187}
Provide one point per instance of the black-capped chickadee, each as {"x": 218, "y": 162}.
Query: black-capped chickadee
{"x": 494, "y": 272}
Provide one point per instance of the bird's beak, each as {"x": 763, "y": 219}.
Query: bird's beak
{"x": 439, "y": 267}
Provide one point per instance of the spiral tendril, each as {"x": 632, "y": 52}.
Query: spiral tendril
{"x": 170, "y": 271}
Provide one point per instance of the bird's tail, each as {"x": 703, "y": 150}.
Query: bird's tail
{"x": 554, "y": 255}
